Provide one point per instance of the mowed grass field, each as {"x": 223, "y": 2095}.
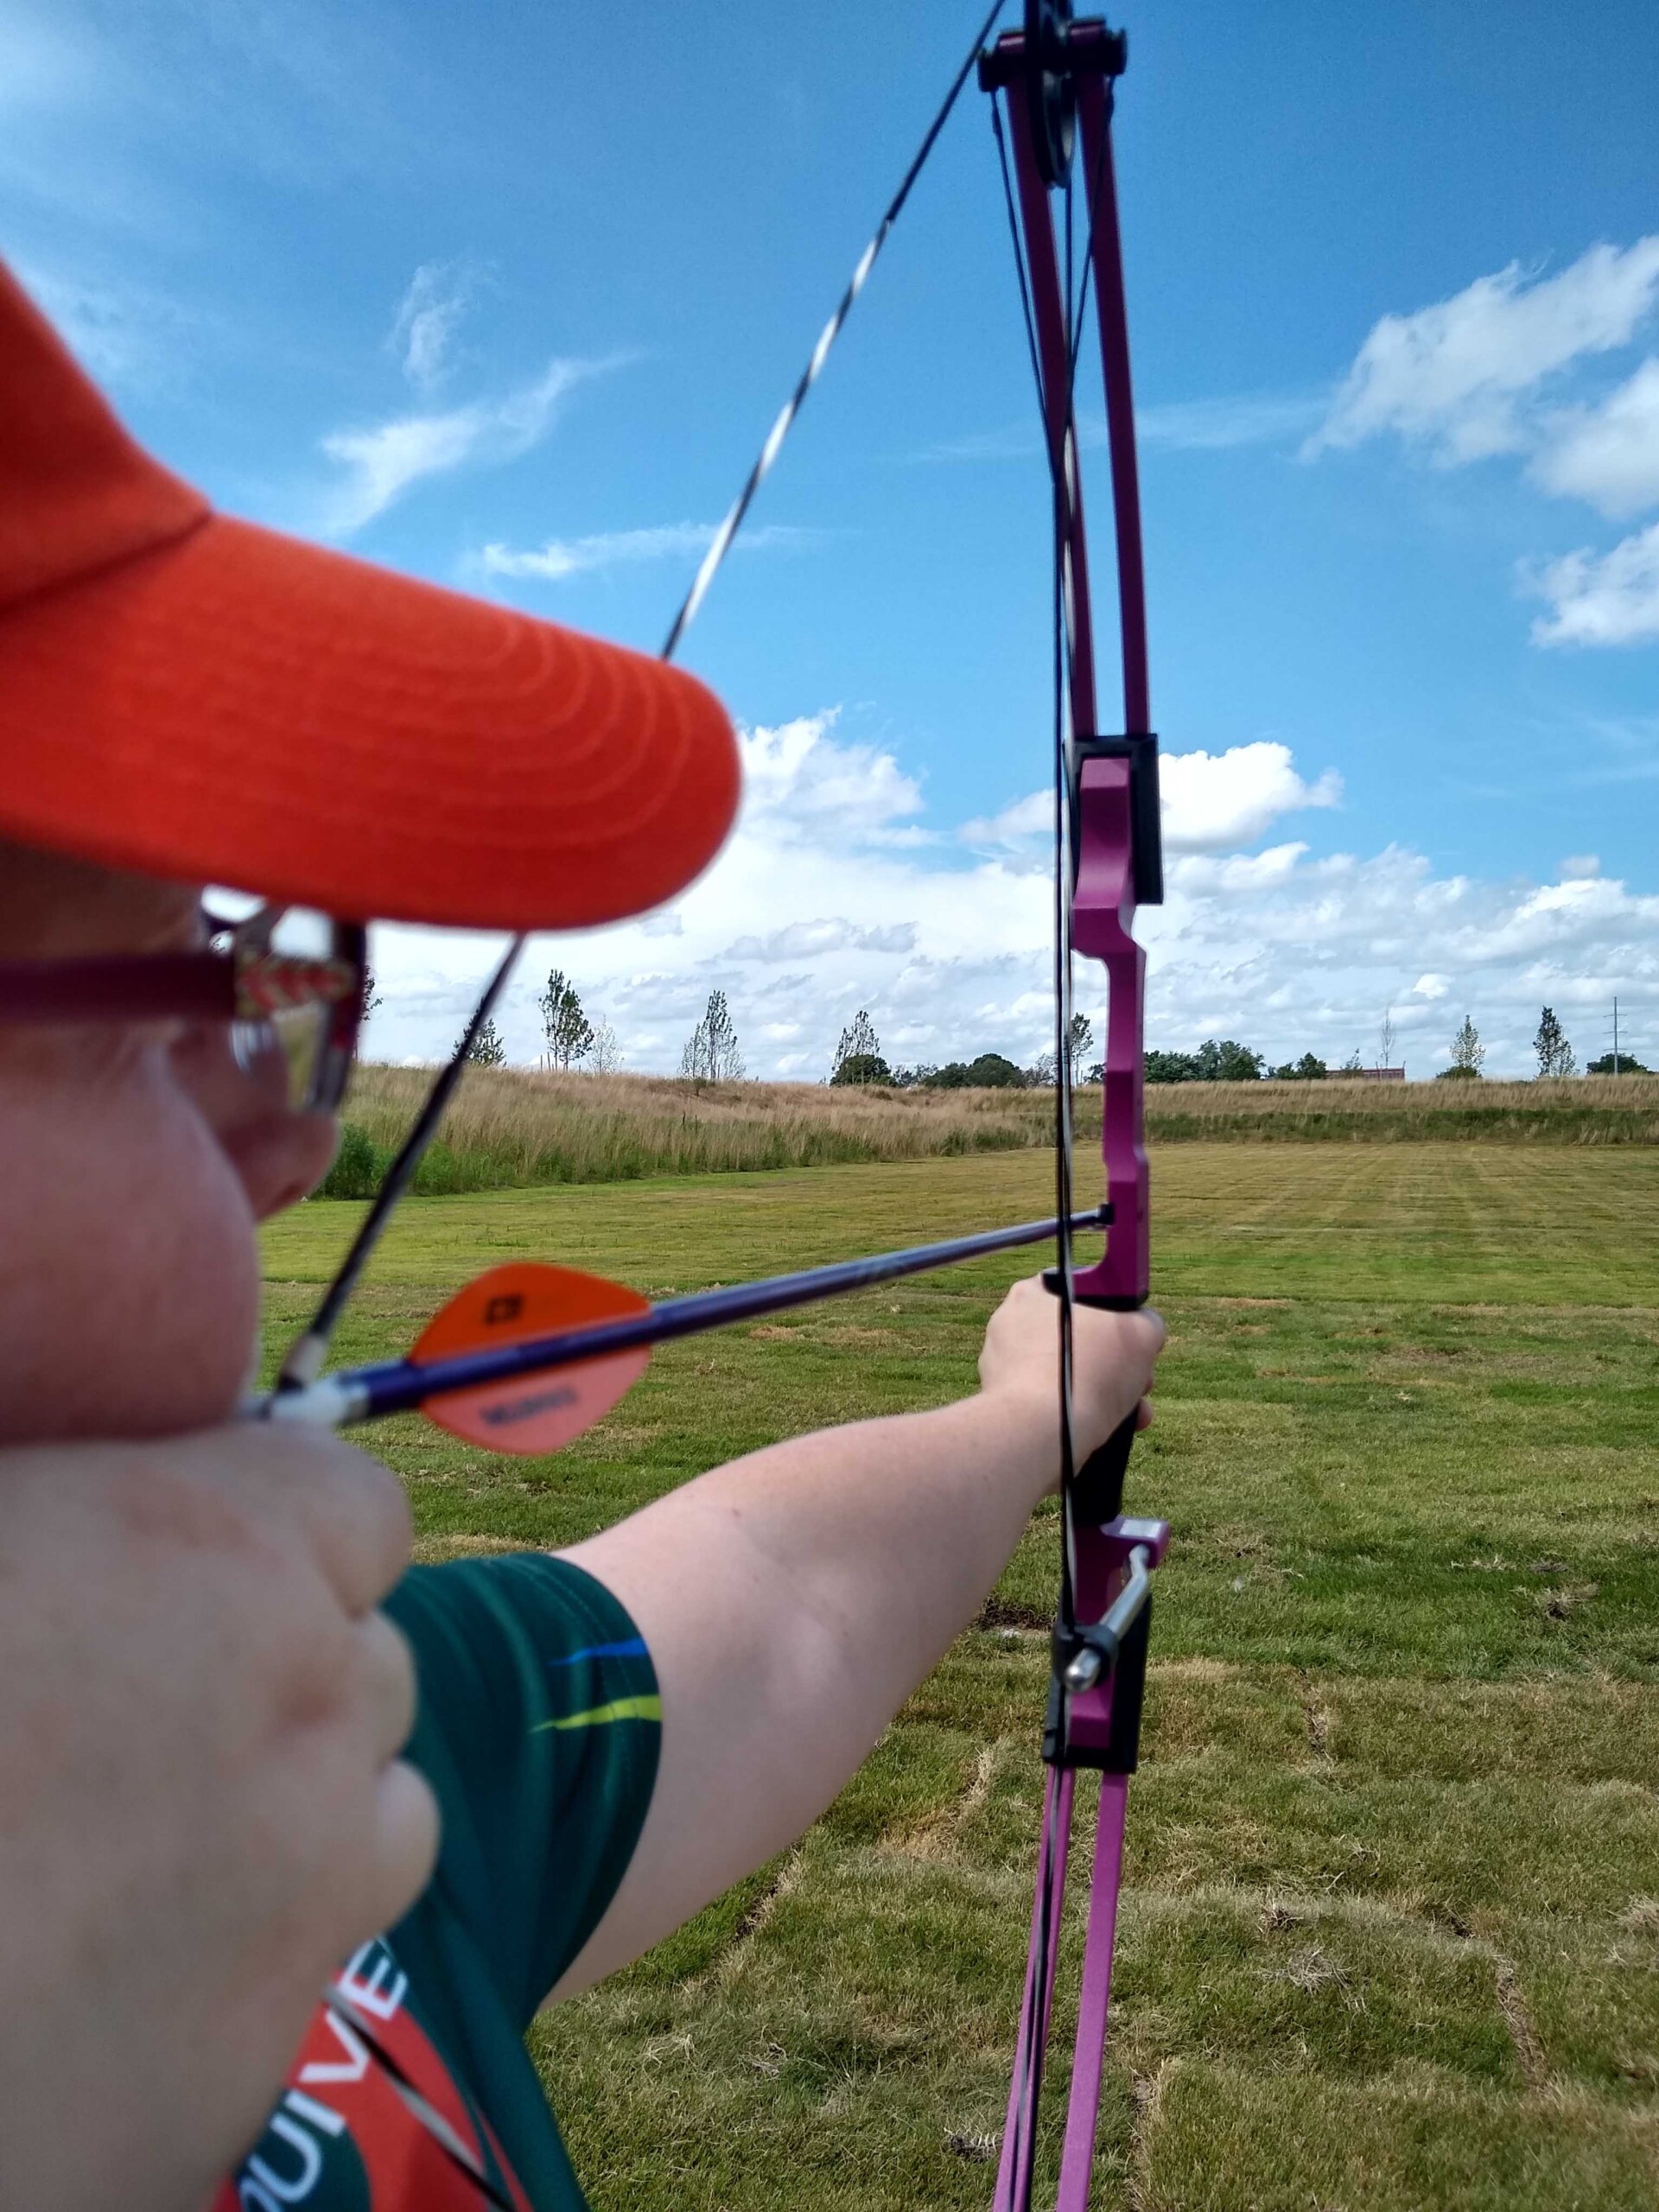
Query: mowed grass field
{"x": 1390, "y": 1937}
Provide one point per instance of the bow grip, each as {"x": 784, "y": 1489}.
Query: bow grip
{"x": 1098, "y": 1485}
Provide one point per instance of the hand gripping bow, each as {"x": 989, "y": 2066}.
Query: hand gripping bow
{"x": 1052, "y": 83}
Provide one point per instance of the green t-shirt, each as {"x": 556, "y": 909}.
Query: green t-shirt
{"x": 539, "y": 1728}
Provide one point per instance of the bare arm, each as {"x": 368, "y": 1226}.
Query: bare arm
{"x": 792, "y": 1600}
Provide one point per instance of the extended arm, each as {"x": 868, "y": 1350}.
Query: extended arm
{"x": 792, "y": 1600}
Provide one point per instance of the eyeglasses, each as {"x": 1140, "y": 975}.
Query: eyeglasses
{"x": 290, "y": 985}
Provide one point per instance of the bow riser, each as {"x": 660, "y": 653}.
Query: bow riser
{"x": 1102, "y": 918}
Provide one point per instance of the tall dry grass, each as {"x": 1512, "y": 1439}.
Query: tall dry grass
{"x": 1579, "y": 1109}
{"x": 511, "y": 1126}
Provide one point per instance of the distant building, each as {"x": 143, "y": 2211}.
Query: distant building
{"x": 1381, "y": 1075}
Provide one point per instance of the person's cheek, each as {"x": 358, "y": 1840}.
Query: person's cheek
{"x": 279, "y": 1158}
{"x": 278, "y": 1155}
{"x": 129, "y": 1288}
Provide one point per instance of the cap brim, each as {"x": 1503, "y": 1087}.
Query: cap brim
{"x": 240, "y": 707}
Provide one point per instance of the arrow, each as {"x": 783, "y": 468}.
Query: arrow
{"x": 528, "y": 1356}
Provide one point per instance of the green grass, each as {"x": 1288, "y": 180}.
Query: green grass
{"x": 1391, "y": 1931}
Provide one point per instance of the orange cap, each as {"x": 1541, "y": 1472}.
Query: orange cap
{"x": 198, "y": 698}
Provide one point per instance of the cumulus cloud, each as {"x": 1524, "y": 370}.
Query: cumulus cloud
{"x": 423, "y": 333}
{"x": 1608, "y": 455}
{"x": 1469, "y": 378}
{"x": 378, "y": 465}
{"x": 834, "y": 895}
{"x": 1450, "y": 377}
{"x": 1599, "y": 598}
{"x": 803, "y": 787}
{"x": 1210, "y": 802}
{"x": 805, "y": 940}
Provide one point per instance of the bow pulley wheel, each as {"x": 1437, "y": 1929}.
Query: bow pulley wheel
{"x": 1050, "y": 95}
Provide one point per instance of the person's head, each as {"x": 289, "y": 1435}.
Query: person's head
{"x": 185, "y": 700}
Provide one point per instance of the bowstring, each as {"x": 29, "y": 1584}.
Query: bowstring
{"x": 304, "y": 1359}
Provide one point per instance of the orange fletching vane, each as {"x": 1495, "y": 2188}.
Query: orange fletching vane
{"x": 512, "y": 1304}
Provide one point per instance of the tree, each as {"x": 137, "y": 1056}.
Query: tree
{"x": 372, "y": 1001}
{"x": 858, "y": 1055}
{"x": 1385, "y": 1040}
{"x": 862, "y": 1067}
{"x": 1224, "y": 1061}
{"x": 1353, "y": 1064}
{"x": 1079, "y": 1042}
{"x": 1628, "y": 1064}
{"x": 990, "y": 1071}
{"x": 1554, "y": 1054}
{"x": 1308, "y": 1069}
{"x": 604, "y": 1055}
{"x": 1171, "y": 1067}
{"x": 486, "y": 1049}
{"x": 1468, "y": 1054}
{"x": 566, "y": 1030}
{"x": 711, "y": 1054}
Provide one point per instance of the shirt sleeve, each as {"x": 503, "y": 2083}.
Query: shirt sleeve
{"x": 538, "y": 1727}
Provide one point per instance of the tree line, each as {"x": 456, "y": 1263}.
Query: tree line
{"x": 859, "y": 1059}
{"x": 571, "y": 1039}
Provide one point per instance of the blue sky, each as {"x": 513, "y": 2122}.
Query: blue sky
{"x": 507, "y": 296}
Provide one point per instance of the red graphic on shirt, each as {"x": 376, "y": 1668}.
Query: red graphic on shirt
{"x": 367, "y": 2071}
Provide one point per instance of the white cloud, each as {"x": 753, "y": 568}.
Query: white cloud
{"x": 1018, "y": 828}
{"x": 806, "y": 940}
{"x": 1210, "y": 802}
{"x": 1608, "y": 455}
{"x": 379, "y": 464}
{"x": 1450, "y": 376}
{"x": 1216, "y": 800}
{"x": 1181, "y": 425}
{"x": 1215, "y": 425}
{"x": 802, "y": 785}
{"x": 423, "y": 331}
{"x": 562, "y": 557}
{"x": 1599, "y": 598}
{"x": 831, "y": 896}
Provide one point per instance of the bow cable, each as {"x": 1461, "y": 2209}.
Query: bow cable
{"x": 304, "y": 1359}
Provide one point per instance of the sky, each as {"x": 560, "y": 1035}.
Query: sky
{"x": 506, "y": 297}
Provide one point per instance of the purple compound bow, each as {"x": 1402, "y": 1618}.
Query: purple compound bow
{"x": 1054, "y": 83}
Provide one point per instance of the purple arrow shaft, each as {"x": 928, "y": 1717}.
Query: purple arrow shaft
{"x": 396, "y": 1386}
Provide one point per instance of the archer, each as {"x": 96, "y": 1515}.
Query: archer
{"x": 247, "y": 1754}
